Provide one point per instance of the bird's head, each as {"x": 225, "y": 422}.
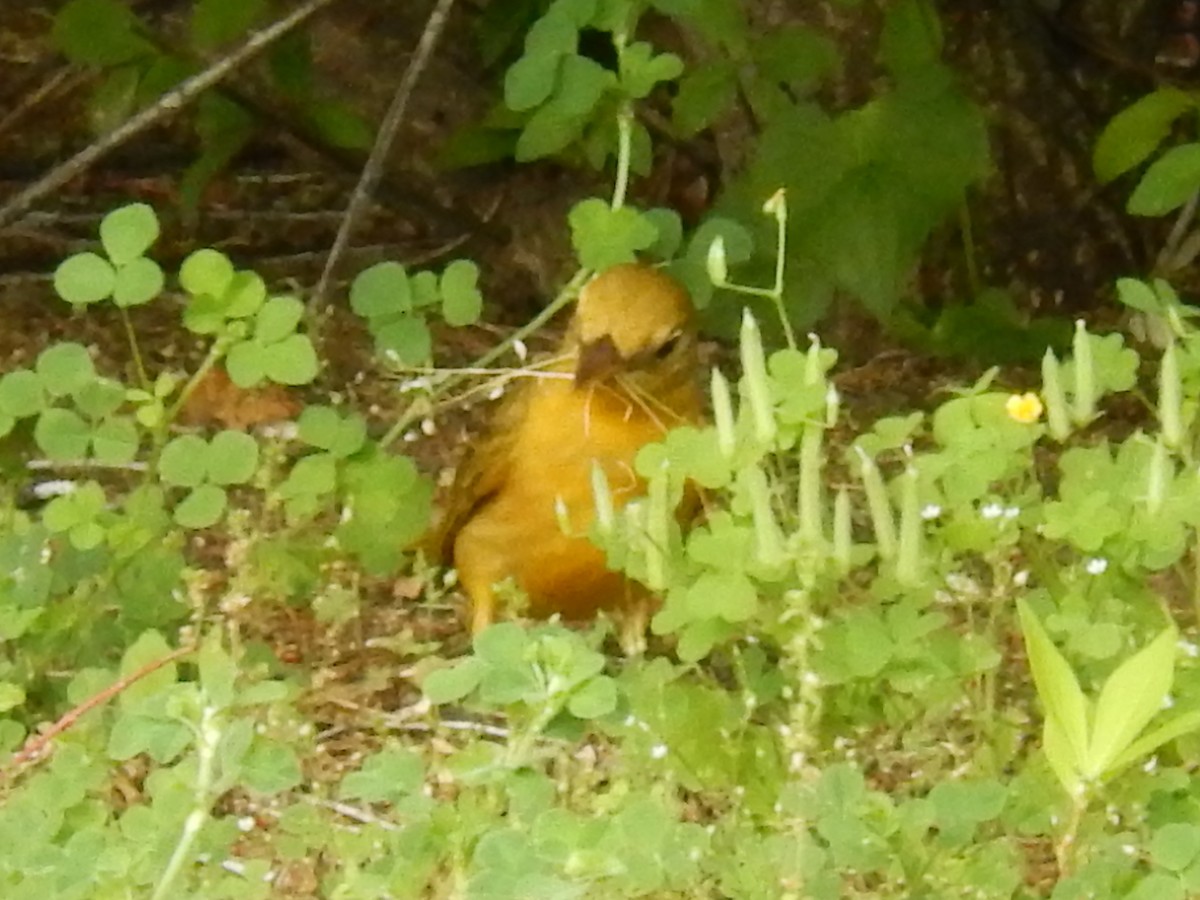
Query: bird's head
{"x": 630, "y": 319}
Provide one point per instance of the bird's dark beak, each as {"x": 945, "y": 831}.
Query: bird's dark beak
{"x": 597, "y": 361}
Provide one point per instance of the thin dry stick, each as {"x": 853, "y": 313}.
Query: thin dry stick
{"x": 383, "y": 145}
{"x": 38, "y": 745}
{"x": 168, "y": 104}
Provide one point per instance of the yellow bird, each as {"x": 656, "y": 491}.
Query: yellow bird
{"x": 626, "y": 376}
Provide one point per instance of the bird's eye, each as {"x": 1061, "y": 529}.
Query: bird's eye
{"x": 667, "y": 347}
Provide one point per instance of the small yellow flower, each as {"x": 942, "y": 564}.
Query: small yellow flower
{"x": 1024, "y": 408}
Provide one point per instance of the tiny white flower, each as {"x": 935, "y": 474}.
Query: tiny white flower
{"x": 1096, "y": 565}
{"x": 991, "y": 511}
{"x": 658, "y": 751}
{"x": 245, "y": 823}
{"x": 1021, "y": 578}
{"x": 521, "y": 350}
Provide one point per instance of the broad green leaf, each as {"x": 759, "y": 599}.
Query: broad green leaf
{"x": 453, "y": 682}
{"x": 65, "y": 368}
{"x": 232, "y": 457}
{"x": 386, "y": 777}
{"x": 62, "y": 435}
{"x": 271, "y": 767}
{"x": 206, "y": 272}
{"x": 138, "y": 282}
{"x": 245, "y": 364}
{"x": 278, "y": 319}
{"x": 84, "y": 278}
{"x": 1135, "y": 132}
{"x": 1168, "y": 183}
{"x": 147, "y": 650}
{"x": 1152, "y": 740}
{"x": 128, "y": 232}
{"x": 381, "y": 290}
{"x": 1130, "y": 698}
{"x": 184, "y": 461}
{"x": 202, "y": 508}
{"x": 292, "y": 361}
{"x": 115, "y": 441}
{"x": 408, "y": 338}
{"x": 21, "y": 394}
{"x": 461, "y": 301}
{"x": 1057, "y": 687}
{"x": 596, "y": 698}
{"x": 605, "y": 237}
{"x": 98, "y": 33}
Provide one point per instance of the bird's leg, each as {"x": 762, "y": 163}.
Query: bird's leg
{"x": 483, "y": 609}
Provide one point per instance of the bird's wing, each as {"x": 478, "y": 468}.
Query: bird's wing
{"x": 481, "y": 475}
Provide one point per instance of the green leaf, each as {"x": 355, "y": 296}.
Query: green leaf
{"x": 338, "y": 124}
{"x": 583, "y": 83}
{"x": 604, "y": 237}
{"x": 705, "y": 93}
{"x": 547, "y": 132}
{"x": 1135, "y": 132}
{"x": 292, "y": 361}
{"x": 453, "y": 682}
{"x": 84, "y": 278}
{"x": 232, "y": 457}
{"x": 216, "y": 22}
{"x": 1057, "y": 688}
{"x": 21, "y": 394}
{"x": 100, "y": 399}
{"x": 147, "y": 650}
{"x": 206, "y": 272}
{"x": 158, "y": 738}
{"x": 1168, "y": 183}
{"x": 1130, "y": 698}
{"x": 115, "y": 441}
{"x": 461, "y": 301}
{"x": 271, "y": 767}
{"x": 323, "y": 427}
{"x": 1157, "y": 886}
{"x": 408, "y": 338}
{"x": 1175, "y": 846}
{"x": 245, "y": 364}
{"x": 386, "y": 777}
{"x": 184, "y": 461}
{"x": 98, "y": 33}
{"x": 530, "y": 81}
{"x": 278, "y": 319}
{"x": 642, "y": 69}
{"x": 62, "y": 435}
{"x": 202, "y": 508}
{"x": 65, "y": 368}
{"x": 11, "y": 696}
{"x": 128, "y": 232}
{"x": 669, "y": 226}
{"x": 598, "y": 697}
{"x": 138, "y": 282}
{"x": 381, "y": 290}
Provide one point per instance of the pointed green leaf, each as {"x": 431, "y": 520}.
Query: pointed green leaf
{"x": 1057, "y": 687}
{"x": 1130, "y": 698}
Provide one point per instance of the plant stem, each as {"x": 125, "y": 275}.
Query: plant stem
{"x": 565, "y": 296}
{"x": 209, "y": 736}
{"x": 138, "y": 364}
{"x": 624, "y": 155}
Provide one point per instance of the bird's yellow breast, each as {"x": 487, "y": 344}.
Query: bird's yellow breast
{"x": 519, "y": 532}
